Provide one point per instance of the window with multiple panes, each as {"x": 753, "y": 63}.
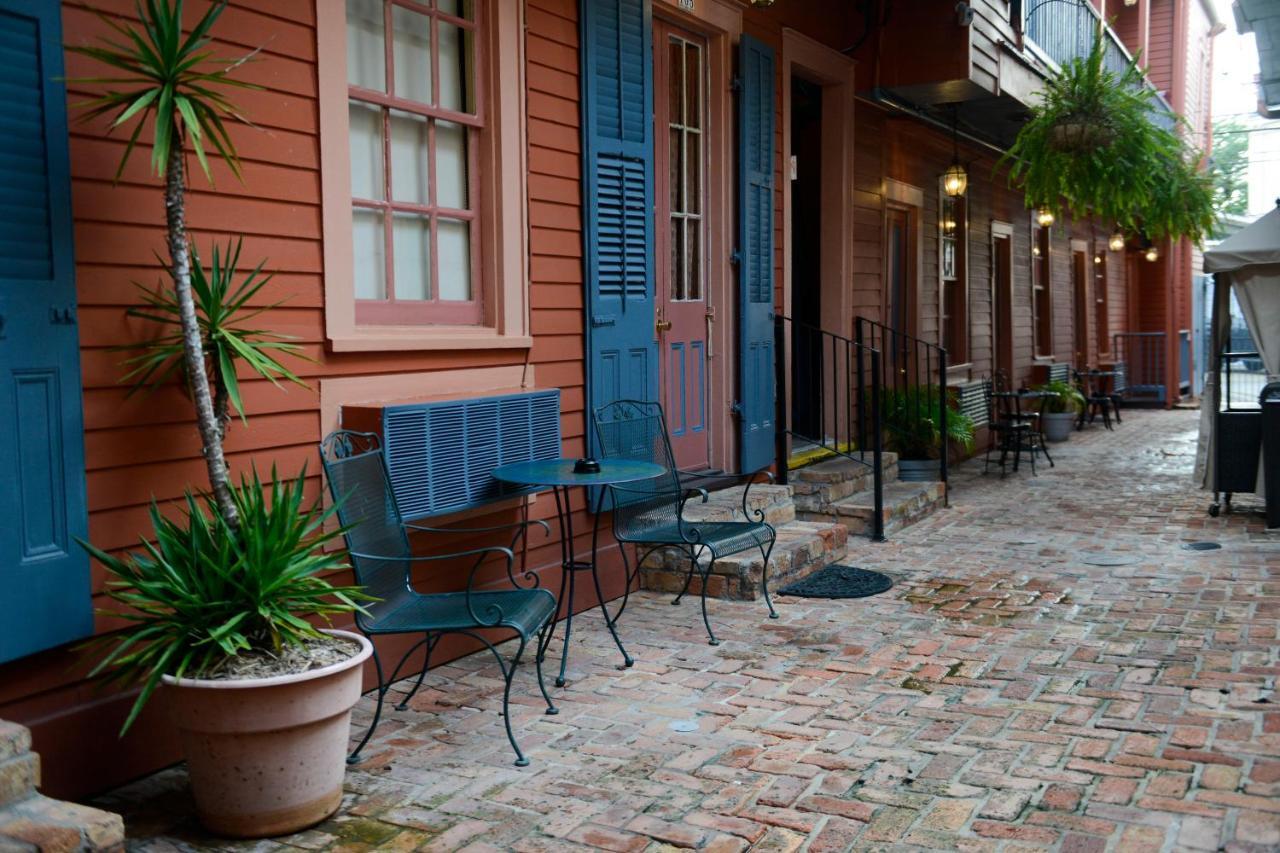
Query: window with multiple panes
{"x": 1041, "y": 292}
{"x": 414, "y": 118}
{"x": 684, "y": 133}
{"x": 1100, "y": 287}
{"x": 954, "y": 278}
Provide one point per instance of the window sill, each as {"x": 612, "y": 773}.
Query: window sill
{"x": 372, "y": 339}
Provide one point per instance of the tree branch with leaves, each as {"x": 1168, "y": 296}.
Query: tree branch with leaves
{"x": 174, "y": 84}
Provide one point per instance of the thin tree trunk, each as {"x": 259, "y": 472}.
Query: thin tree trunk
{"x": 193, "y": 349}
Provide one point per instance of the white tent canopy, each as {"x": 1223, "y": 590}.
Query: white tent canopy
{"x": 1248, "y": 263}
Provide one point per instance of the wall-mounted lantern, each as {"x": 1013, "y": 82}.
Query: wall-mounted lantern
{"x": 1044, "y": 217}
{"x": 1152, "y": 254}
{"x": 1116, "y": 243}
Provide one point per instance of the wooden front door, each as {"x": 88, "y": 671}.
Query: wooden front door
{"x": 683, "y": 309}
{"x": 1080, "y": 294}
{"x": 1002, "y": 286}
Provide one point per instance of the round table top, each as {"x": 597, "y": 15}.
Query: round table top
{"x": 559, "y": 472}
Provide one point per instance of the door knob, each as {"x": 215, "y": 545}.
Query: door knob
{"x": 662, "y": 326}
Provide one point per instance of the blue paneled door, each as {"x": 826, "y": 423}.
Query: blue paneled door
{"x": 756, "y": 406}
{"x": 44, "y": 575}
{"x": 618, "y": 210}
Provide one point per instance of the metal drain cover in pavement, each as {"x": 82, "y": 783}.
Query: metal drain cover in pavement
{"x": 683, "y": 725}
{"x": 1201, "y": 546}
{"x": 1096, "y": 559}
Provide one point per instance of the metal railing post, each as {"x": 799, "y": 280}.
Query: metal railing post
{"x": 877, "y": 468}
{"x": 942, "y": 423}
{"x": 781, "y": 416}
{"x": 862, "y": 400}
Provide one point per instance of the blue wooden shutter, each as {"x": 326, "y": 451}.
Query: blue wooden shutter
{"x": 617, "y": 197}
{"x": 756, "y": 410}
{"x": 44, "y": 574}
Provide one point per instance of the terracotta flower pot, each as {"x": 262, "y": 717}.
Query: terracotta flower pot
{"x": 267, "y": 756}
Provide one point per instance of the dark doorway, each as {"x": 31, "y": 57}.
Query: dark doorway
{"x": 1002, "y": 252}
{"x": 805, "y": 173}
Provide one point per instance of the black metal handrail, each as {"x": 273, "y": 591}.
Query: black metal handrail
{"x": 909, "y": 369}
{"x": 1144, "y": 356}
{"x": 827, "y": 371}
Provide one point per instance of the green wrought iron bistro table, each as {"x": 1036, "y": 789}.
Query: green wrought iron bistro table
{"x": 560, "y": 477}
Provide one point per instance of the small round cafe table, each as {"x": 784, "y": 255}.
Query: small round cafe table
{"x": 559, "y": 476}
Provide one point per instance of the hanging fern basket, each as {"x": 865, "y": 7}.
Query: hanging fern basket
{"x": 1079, "y": 133}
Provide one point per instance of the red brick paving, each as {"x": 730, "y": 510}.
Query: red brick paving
{"x": 1003, "y": 696}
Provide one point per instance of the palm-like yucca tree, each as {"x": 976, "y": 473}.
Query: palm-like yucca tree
{"x": 173, "y": 83}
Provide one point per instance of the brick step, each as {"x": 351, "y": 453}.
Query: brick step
{"x": 19, "y": 767}
{"x": 816, "y": 486}
{"x": 726, "y": 505}
{"x": 904, "y": 505}
{"x": 802, "y": 547}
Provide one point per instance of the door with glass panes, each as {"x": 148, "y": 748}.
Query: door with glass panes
{"x": 683, "y": 310}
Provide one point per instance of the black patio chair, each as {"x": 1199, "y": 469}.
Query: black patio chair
{"x": 1097, "y": 402}
{"x": 651, "y": 512}
{"x": 378, "y": 544}
{"x": 1119, "y": 389}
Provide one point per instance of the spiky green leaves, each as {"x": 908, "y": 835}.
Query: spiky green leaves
{"x": 1132, "y": 167}
{"x": 200, "y": 593}
{"x": 222, "y": 308}
{"x": 172, "y": 79}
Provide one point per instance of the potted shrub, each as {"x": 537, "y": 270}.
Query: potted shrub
{"x": 1061, "y": 412}
{"x": 222, "y": 604}
{"x": 911, "y": 417}
{"x": 224, "y": 620}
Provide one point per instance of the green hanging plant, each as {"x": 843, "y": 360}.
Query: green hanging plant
{"x": 1094, "y": 145}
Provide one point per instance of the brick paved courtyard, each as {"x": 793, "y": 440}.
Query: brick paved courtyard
{"x": 1004, "y": 695}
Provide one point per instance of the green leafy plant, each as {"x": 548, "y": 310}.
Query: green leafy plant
{"x": 222, "y": 307}
{"x": 911, "y": 418}
{"x": 1069, "y": 398}
{"x": 201, "y": 593}
{"x": 172, "y": 83}
{"x": 1098, "y": 142}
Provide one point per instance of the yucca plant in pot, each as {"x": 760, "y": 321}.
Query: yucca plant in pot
{"x": 224, "y": 603}
{"x": 1061, "y": 410}
{"x": 912, "y": 421}
{"x": 227, "y": 622}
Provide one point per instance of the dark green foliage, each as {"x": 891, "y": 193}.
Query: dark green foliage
{"x": 171, "y": 79}
{"x": 201, "y": 593}
{"x": 911, "y": 417}
{"x": 1093, "y": 144}
{"x": 1069, "y": 398}
{"x": 222, "y": 306}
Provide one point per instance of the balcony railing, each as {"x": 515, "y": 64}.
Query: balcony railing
{"x": 1063, "y": 30}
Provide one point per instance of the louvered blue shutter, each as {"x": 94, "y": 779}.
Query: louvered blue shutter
{"x": 617, "y": 195}
{"x": 756, "y": 409}
{"x": 43, "y": 572}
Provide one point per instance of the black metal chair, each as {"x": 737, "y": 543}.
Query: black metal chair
{"x": 651, "y": 513}
{"x": 378, "y": 544}
{"x": 1097, "y": 402}
{"x": 1119, "y": 389}
{"x": 1006, "y": 430}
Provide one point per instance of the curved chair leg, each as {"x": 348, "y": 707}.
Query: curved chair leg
{"x": 766, "y": 552}
{"x": 510, "y": 673}
{"x": 552, "y": 710}
{"x": 354, "y": 756}
{"x": 426, "y": 664}
{"x": 706, "y": 579}
{"x": 688, "y": 579}
{"x": 631, "y": 578}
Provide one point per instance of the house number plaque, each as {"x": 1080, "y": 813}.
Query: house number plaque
{"x": 687, "y": 5}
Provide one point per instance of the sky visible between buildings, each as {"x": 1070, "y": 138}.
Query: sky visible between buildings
{"x": 1235, "y": 96}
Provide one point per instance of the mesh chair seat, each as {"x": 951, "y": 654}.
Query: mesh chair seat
{"x": 721, "y": 537}
{"x": 524, "y": 610}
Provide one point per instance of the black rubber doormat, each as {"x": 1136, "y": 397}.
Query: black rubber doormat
{"x": 837, "y": 581}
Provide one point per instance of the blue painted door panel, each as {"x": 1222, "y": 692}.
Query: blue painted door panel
{"x": 44, "y": 575}
{"x": 617, "y": 186}
{"x": 756, "y": 406}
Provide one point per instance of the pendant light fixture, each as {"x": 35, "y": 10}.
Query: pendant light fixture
{"x": 1044, "y": 217}
{"x": 1152, "y": 254}
{"x": 955, "y": 180}
{"x": 1116, "y": 243}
